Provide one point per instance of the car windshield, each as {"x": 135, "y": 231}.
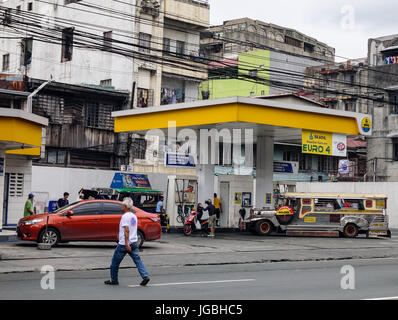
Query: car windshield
{"x": 64, "y": 208}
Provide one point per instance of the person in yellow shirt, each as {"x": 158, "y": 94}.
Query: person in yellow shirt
{"x": 217, "y": 205}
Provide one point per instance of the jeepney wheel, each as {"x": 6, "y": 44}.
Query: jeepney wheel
{"x": 264, "y": 228}
{"x": 350, "y": 231}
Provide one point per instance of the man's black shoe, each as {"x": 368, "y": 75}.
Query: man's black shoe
{"x": 111, "y": 283}
{"x": 145, "y": 282}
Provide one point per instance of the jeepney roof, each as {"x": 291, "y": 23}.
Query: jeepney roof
{"x": 334, "y": 195}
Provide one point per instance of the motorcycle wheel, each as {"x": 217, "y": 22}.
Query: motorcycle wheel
{"x": 188, "y": 230}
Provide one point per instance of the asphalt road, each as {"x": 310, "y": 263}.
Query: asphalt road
{"x": 374, "y": 279}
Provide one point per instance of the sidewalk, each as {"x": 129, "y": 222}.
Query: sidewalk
{"x": 8, "y": 235}
{"x": 176, "y": 250}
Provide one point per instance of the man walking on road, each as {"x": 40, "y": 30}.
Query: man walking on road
{"x": 127, "y": 245}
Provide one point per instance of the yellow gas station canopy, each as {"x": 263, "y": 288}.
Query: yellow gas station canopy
{"x": 281, "y": 120}
{"x": 21, "y": 132}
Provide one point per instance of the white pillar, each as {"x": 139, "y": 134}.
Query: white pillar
{"x": 2, "y": 174}
{"x": 264, "y": 170}
{"x": 206, "y": 169}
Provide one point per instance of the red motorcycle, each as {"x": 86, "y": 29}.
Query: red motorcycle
{"x": 193, "y": 224}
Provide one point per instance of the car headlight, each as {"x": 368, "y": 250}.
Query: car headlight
{"x": 34, "y": 221}
{"x": 155, "y": 219}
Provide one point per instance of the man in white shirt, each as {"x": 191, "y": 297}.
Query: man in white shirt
{"x": 127, "y": 245}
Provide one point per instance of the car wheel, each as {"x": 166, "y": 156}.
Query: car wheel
{"x": 51, "y": 237}
{"x": 264, "y": 228}
{"x": 350, "y": 231}
{"x": 141, "y": 238}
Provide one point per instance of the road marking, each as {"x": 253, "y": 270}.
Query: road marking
{"x": 193, "y": 283}
{"x": 380, "y": 299}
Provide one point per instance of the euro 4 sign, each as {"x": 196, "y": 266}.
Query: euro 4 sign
{"x": 324, "y": 143}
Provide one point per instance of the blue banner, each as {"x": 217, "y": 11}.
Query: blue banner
{"x": 285, "y": 167}
{"x": 180, "y": 160}
{"x": 130, "y": 181}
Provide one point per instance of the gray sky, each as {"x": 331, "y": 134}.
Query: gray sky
{"x": 344, "y": 24}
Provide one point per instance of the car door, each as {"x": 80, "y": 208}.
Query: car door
{"x": 84, "y": 224}
{"x": 111, "y": 220}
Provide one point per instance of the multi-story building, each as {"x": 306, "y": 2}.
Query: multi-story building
{"x": 341, "y": 86}
{"x": 146, "y": 49}
{"x": 89, "y": 59}
{"x": 383, "y": 78}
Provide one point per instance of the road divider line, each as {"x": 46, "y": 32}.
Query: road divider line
{"x": 194, "y": 283}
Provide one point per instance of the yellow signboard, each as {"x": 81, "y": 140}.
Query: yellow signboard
{"x": 310, "y": 219}
{"x": 324, "y": 143}
{"x": 317, "y": 142}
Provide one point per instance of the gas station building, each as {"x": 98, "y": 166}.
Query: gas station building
{"x": 253, "y": 121}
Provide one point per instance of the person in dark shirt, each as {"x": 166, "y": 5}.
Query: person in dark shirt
{"x": 62, "y": 202}
{"x": 213, "y": 215}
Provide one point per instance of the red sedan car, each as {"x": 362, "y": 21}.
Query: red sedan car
{"x": 96, "y": 220}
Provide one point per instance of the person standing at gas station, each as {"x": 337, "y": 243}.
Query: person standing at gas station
{"x": 160, "y": 211}
{"x": 217, "y": 205}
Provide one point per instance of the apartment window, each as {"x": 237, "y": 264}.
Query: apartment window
{"x": 108, "y": 39}
{"x": 54, "y": 156}
{"x": 327, "y": 164}
{"x": 166, "y": 45}
{"x": 305, "y": 162}
{"x": 67, "y": 44}
{"x": 145, "y": 42}
{"x": 139, "y": 148}
{"x": 308, "y": 47}
{"x": 6, "y": 62}
{"x": 180, "y": 49}
{"x": 144, "y": 98}
{"x": 26, "y": 51}
{"x": 395, "y": 149}
{"x": 350, "y": 105}
{"x": 394, "y": 103}
{"x": 106, "y": 83}
{"x": 71, "y": 1}
{"x": 293, "y": 42}
{"x": 16, "y": 184}
{"x": 30, "y": 6}
{"x": 290, "y": 156}
{"x": 92, "y": 115}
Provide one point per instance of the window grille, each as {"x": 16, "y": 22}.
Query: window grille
{"x": 16, "y": 184}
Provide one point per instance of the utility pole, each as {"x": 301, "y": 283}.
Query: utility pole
{"x": 30, "y": 97}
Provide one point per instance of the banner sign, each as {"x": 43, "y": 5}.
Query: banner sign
{"x": 180, "y": 160}
{"x": 130, "y": 181}
{"x": 323, "y": 143}
{"x": 285, "y": 211}
{"x": 286, "y": 167}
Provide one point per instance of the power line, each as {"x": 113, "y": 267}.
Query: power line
{"x": 141, "y": 57}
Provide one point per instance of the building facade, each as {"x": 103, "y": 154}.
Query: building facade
{"x": 383, "y": 76}
{"x": 340, "y": 86}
